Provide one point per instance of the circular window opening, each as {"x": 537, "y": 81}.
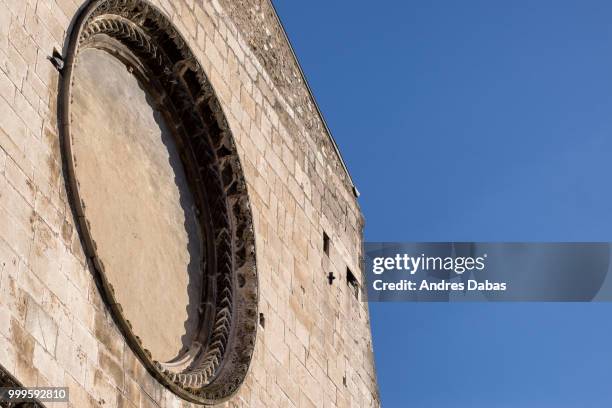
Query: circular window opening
{"x": 139, "y": 206}
{"x": 161, "y": 203}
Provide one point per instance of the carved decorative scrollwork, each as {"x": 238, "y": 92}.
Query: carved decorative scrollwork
{"x": 137, "y": 33}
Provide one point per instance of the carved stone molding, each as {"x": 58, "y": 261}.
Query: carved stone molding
{"x": 213, "y": 367}
{"x": 8, "y": 381}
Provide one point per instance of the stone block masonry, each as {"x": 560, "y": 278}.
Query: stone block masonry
{"x": 314, "y": 349}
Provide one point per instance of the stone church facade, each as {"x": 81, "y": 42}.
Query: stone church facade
{"x": 177, "y": 226}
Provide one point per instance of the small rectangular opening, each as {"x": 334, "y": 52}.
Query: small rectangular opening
{"x": 352, "y": 282}
{"x": 325, "y": 243}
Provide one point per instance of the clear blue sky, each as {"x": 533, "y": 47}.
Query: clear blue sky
{"x": 479, "y": 121}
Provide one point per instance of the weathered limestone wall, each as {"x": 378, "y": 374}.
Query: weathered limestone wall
{"x": 315, "y": 349}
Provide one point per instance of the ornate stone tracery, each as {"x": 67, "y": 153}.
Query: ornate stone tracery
{"x": 139, "y": 35}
